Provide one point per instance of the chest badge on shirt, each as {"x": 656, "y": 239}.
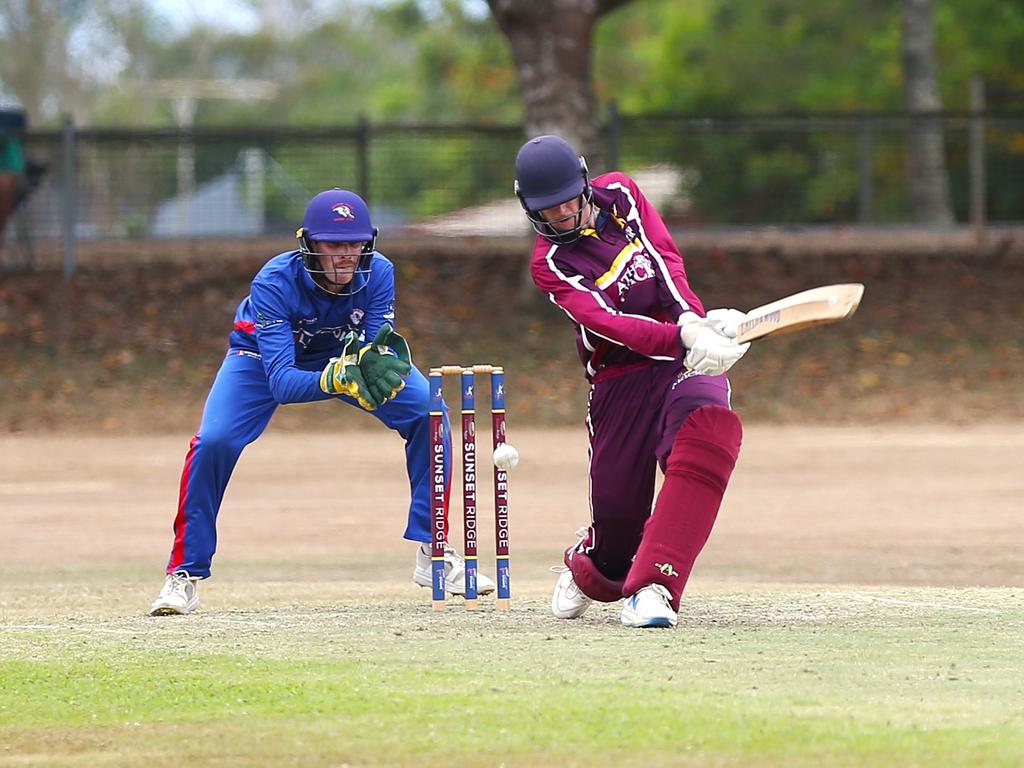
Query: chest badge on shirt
{"x": 640, "y": 269}
{"x": 357, "y": 316}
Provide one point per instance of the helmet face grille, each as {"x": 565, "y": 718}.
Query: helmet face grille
{"x": 546, "y": 228}
{"x": 329, "y": 281}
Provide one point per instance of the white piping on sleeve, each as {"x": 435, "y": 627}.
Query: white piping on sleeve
{"x": 634, "y": 216}
{"x": 598, "y": 299}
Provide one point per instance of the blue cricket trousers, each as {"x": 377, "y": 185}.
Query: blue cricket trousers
{"x": 237, "y": 411}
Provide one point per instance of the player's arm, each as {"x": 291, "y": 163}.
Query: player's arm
{"x": 288, "y": 384}
{"x": 587, "y": 305}
{"x": 708, "y": 339}
{"x": 700, "y": 344}
{"x": 675, "y": 295}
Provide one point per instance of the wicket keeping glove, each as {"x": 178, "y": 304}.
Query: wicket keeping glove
{"x": 385, "y": 363}
{"x": 342, "y": 375}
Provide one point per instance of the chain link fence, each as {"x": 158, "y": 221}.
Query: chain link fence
{"x": 113, "y": 186}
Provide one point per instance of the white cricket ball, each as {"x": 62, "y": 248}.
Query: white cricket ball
{"x": 505, "y": 456}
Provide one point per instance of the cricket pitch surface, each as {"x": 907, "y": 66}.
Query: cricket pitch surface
{"x": 860, "y": 602}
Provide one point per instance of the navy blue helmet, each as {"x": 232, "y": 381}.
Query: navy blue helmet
{"x": 549, "y": 172}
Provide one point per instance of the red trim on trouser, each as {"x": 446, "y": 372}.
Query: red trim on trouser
{"x": 703, "y": 456}
{"x": 180, "y": 521}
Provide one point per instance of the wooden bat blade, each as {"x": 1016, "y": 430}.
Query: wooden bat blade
{"x": 817, "y": 306}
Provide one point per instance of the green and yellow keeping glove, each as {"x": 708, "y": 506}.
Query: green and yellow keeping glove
{"x": 385, "y": 363}
{"x": 342, "y": 376}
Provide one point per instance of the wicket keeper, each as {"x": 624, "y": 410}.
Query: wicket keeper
{"x": 317, "y": 325}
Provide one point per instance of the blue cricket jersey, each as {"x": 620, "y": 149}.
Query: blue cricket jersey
{"x": 295, "y": 327}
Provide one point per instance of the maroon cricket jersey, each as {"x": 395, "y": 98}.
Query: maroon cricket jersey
{"x": 622, "y": 284}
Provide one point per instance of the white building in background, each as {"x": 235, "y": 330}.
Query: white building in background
{"x": 662, "y": 185}
{"x": 232, "y": 204}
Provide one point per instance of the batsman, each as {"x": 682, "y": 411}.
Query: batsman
{"x": 656, "y": 363}
{"x": 317, "y": 325}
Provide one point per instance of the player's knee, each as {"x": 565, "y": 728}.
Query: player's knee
{"x": 590, "y": 580}
{"x": 707, "y": 445}
{"x": 219, "y": 439}
{"x": 413, "y": 399}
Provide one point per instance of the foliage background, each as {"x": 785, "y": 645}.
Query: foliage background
{"x": 446, "y": 60}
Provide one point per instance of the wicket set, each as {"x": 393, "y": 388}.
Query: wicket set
{"x": 439, "y": 498}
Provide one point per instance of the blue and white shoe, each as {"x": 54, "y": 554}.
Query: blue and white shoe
{"x": 650, "y": 606}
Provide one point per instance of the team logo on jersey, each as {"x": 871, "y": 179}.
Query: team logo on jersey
{"x": 666, "y": 569}
{"x": 683, "y": 376}
{"x": 263, "y": 322}
{"x": 357, "y": 316}
{"x": 640, "y": 269}
{"x": 305, "y": 337}
{"x": 343, "y": 212}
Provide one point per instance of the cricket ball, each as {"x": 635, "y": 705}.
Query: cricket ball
{"x": 505, "y": 456}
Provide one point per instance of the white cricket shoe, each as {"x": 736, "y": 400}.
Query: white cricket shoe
{"x": 454, "y": 572}
{"x": 650, "y": 606}
{"x": 567, "y": 601}
{"x": 179, "y": 595}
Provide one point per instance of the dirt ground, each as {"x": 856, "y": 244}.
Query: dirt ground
{"x": 900, "y": 505}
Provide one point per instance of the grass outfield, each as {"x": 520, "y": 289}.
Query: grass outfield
{"x": 335, "y": 674}
{"x": 860, "y": 603}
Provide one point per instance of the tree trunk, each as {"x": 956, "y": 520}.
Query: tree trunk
{"x": 551, "y": 45}
{"x": 926, "y": 162}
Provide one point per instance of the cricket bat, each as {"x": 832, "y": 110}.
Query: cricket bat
{"x": 817, "y": 306}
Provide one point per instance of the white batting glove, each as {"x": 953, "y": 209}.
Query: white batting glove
{"x": 726, "y": 321}
{"x": 710, "y": 352}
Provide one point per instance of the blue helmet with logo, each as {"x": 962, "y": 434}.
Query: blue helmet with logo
{"x": 549, "y": 172}
{"x": 337, "y": 216}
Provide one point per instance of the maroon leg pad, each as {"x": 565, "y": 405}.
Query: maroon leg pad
{"x": 704, "y": 453}
{"x": 591, "y": 581}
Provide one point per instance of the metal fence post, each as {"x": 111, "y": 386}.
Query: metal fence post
{"x": 614, "y": 134}
{"x": 69, "y": 207}
{"x": 363, "y": 157}
{"x": 977, "y": 160}
{"x": 865, "y": 187}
